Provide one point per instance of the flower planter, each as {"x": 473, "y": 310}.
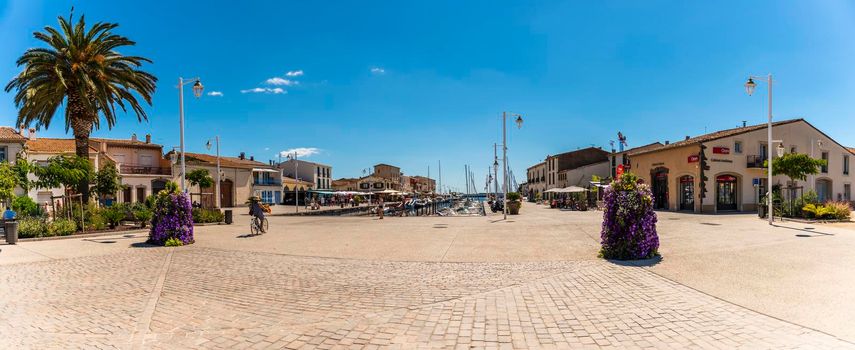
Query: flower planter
{"x": 514, "y": 207}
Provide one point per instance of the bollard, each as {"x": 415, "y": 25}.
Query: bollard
{"x": 228, "y": 217}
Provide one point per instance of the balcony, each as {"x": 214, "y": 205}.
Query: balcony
{"x": 755, "y": 162}
{"x": 266, "y": 182}
{"x": 136, "y": 169}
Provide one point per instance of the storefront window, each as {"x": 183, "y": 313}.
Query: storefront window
{"x": 726, "y": 192}
{"x": 687, "y": 193}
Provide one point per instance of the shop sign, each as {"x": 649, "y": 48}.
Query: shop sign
{"x": 721, "y": 150}
{"x": 619, "y": 171}
{"x": 694, "y": 158}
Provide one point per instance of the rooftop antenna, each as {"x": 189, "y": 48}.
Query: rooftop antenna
{"x": 622, "y": 140}
{"x": 744, "y": 123}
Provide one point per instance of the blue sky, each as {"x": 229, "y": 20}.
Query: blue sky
{"x": 413, "y": 83}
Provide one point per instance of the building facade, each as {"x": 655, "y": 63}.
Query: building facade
{"x": 320, "y": 175}
{"x": 736, "y": 179}
{"x": 536, "y": 180}
{"x": 392, "y": 176}
{"x": 241, "y": 178}
{"x": 564, "y": 162}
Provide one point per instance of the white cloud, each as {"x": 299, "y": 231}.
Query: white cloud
{"x": 281, "y": 81}
{"x": 294, "y": 73}
{"x": 259, "y": 90}
{"x": 301, "y": 152}
{"x": 215, "y": 93}
{"x": 378, "y": 70}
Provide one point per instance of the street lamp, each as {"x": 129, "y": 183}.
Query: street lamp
{"x": 296, "y": 182}
{"x": 749, "y": 88}
{"x": 197, "y": 91}
{"x": 217, "y": 189}
{"x": 519, "y": 122}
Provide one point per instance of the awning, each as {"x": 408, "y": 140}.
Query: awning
{"x": 321, "y": 192}
{"x": 262, "y": 170}
{"x": 573, "y": 189}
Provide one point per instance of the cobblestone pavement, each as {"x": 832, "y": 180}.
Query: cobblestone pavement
{"x": 195, "y": 297}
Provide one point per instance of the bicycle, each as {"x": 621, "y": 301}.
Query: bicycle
{"x": 258, "y": 226}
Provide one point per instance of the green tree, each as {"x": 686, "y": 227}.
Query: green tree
{"x": 81, "y": 69}
{"x": 66, "y": 171}
{"x": 796, "y": 166}
{"x": 7, "y": 181}
{"x": 22, "y": 169}
{"x": 107, "y": 181}
{"x": 200, "y": 177}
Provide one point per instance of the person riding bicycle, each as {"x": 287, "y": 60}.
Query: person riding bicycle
{"x": 256, "y": 211}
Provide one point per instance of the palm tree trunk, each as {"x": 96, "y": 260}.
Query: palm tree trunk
{"x": 82, "y": 127}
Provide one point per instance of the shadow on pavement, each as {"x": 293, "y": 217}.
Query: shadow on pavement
{"x": 637, "y": 263}
{"x": 812, "y": 230}
{"x": 248, "y": 235}
{"x": 143, "y": 245}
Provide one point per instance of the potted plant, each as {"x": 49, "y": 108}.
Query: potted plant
{"x": 514, "y": 203}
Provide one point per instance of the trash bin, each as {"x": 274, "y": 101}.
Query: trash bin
{"x": 761, "y": 210}
{"x": 228, "y": 216}
{"x": 11, "y": 229}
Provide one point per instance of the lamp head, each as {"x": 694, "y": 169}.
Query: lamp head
{"x": 780, "y": 150}
{"x": 208, "y": 145}
{"x": 519, "y": 121}
{"x": 749, "y": 86}
{"x": 198, "y": 88}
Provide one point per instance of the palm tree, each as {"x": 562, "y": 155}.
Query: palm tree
{"x": 80, "y": 68}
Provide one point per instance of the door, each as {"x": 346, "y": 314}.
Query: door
{"x": 660, "y": 188}
{"x": 725, "y": 192}
{"x": 277, "y": 197}
{"x": 126, "y": 195}
{"x": 140, "y": 194}
{"x": 823, "y": 189}
{"x": 226, "y": 195}
{"x": 687, "y": 193}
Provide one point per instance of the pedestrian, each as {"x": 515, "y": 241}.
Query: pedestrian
{"x": 380, "y": 208}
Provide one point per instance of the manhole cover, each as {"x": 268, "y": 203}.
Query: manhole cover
{"x": 710, "y": 224}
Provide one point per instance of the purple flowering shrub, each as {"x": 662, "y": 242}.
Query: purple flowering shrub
{"x": 629, "y": 222}
{"x": 173, "y": 218}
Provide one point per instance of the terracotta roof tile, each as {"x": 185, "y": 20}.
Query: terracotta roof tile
{"x": 8, "y": 134}
{"x": 49, "y": 145}
{"x": 716, "y": 135}
{"x": 126, "y": 143}
{"x": 227, "y": 162}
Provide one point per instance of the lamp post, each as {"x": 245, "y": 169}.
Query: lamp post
{"x": 296, "y": 182}
{"x": 197, "y": 91}
{"x": 749, "y": 88}
{"x": 217, "y": 188}
{"x": 505, "y": 185}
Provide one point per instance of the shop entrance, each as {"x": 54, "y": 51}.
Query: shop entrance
{"x": 687, "y": 193}
{"x": 660, "y": 188}
{"x": 725, "y": 192}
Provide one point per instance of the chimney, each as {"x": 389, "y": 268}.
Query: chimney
{"x": 147, "y": 138}
{"x": 32, "y": 134}
{"x": 743, "y": 123}
{"x": 252, "y": 158}
{"x": 667, "y": 142}
{"x": 134, "y": 137}
{"x": 103, "y": 147}
{"x": 687, "y": 137}
{"x": 242, "y": 156}
{"x": 21, "y": 129}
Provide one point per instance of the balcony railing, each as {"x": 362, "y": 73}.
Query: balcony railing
{"x": 755, "y": 161}
{"x": 144, "y": 169}
{"x": 267, "y": 182}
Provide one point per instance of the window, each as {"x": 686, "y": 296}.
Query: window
{"x": 737, "y": 147}
{"x": 824, "y": 168}
{"x": 846, "y": 164}
{"x": 793, "y": 149}
{"x": 3, "y": 156}
{"x": 847, "y": 192}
